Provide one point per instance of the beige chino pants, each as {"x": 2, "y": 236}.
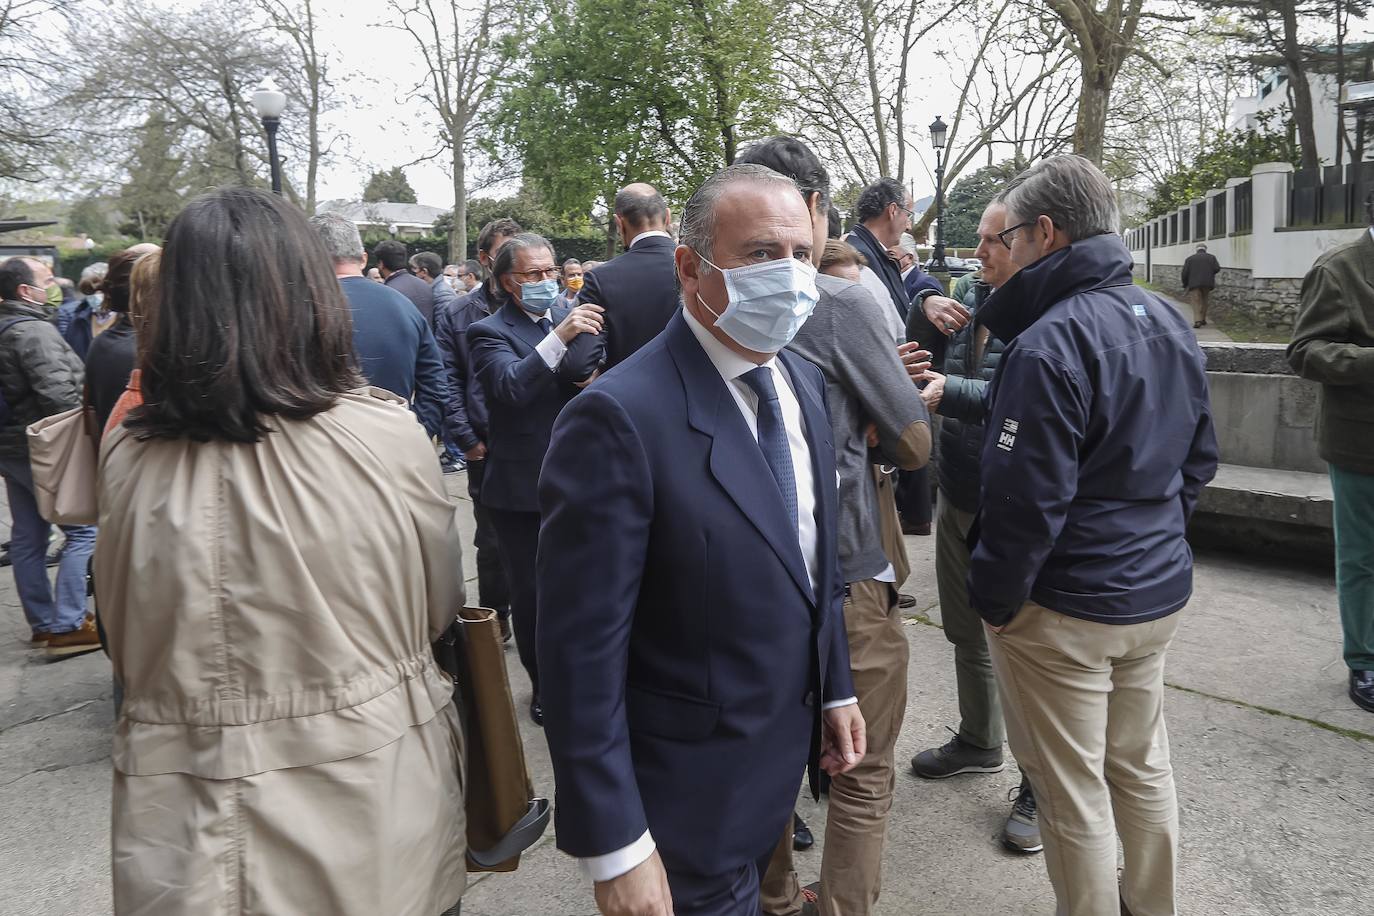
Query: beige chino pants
{"x": 1084, "y": 708}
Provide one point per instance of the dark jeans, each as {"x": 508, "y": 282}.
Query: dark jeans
{"x": 518, "y": 534}
{"x": 493, "y": 591}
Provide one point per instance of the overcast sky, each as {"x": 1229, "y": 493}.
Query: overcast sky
{"x": 383, "y": 121}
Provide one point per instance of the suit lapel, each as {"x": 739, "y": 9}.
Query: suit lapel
{"x": 527, "y": 331}
{"x": 737, "y": 462}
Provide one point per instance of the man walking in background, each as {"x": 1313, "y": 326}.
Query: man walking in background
{"x": 1333, "y": 343}
{"x": 1199, "y": 277}
{"x": 1091, "y": 470}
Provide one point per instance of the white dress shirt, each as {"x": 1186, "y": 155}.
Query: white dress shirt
{"x": 647, "y": 235}
{"x": 552, "y": 348}
{"x": 732, "y": 368}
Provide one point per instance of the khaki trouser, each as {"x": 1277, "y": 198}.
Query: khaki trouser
{"x": 1202, "y": 296}
{"x": 856, "y": 826}
{"x": 980, "y": 712}
{"x": 1084, "y": 707}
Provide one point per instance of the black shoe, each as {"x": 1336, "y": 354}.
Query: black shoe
{"x": 802, "y": 839}
{"x": 507, "y": 634}
{"x": 450, "y": 465}
{"x": 55, "y": 558}
{"x": 905, "y": 601}
{"x": 537, "y": 712}
{"x": 1362, "y": 689}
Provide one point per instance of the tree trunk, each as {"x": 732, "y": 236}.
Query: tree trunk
{"x": 458, "y": 235}
{"x": 1300, "y": 88}
{"x": 1091, "y": 128}
{"x": 874, "y": 93}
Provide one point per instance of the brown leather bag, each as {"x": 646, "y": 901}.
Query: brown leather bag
{"x": 504, "y": 816}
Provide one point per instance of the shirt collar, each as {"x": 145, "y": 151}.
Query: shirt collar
{"x": 652, "y": 233}
{"x": 728, "y": 363}
{"x": 531, "y": 315}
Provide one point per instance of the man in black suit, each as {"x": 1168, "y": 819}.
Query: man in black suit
{"x": 393, "y": 264}
{"x": 638, "y": 289}
{"x": 467, "y": 410}
{"x": 693, "y": 644}
{"x": 515, "y": 356}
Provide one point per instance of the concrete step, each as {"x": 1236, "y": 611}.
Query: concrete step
{"x": 1292, "y": 497}
{"x": 1266, "y": 511}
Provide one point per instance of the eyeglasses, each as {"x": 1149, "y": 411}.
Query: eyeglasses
{"x": 535, "y": 275}
{"x": 1002, "y": 236}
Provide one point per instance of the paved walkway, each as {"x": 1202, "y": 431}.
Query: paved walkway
{"x": 1275, "y": 770}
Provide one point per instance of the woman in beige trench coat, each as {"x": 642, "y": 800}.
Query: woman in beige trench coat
{"x": 275, "y": 556}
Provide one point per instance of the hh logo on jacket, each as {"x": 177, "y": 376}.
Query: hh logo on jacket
{"x": 1007, "y": 438}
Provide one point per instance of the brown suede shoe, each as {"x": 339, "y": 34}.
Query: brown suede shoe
{"x": 38, "y": 638}
{"x": 84, "y": 638}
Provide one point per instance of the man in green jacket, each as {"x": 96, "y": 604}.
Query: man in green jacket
{"x": 1333, "y": 343}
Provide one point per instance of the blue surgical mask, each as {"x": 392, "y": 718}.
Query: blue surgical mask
{"x": 768, "y": 302}
{"x": 538, "y": 296}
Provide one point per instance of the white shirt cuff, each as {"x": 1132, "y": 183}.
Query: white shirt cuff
{"x": 836, "y": 704}
{"x": 551, "y": 350}
{"x": 615, "y": 864}
{"x": 888, "y": 575}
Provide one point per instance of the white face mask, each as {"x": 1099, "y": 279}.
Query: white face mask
{"x": 768, "y": 302}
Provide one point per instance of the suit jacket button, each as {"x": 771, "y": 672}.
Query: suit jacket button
{"x": 810, "y": 698}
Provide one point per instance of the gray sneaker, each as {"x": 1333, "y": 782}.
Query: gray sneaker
{"x": 955, "y": 757}
{"x": 1022, "y": 830}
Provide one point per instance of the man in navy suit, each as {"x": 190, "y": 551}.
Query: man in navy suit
{"x": 515, "y": 355}
{"x": 692, "y": 649}
{"x": 638, "y": 289}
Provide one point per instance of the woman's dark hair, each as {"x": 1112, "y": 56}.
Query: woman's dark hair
{"x": 792, "y": 158}
{"x": 116, "y": 283}
{"x": 250, "y": 323}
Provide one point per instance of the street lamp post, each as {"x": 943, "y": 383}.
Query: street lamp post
{"x": 270, "y": 103}
{"x": 938, "y": 132}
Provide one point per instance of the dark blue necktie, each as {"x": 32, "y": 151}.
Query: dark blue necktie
{"x": 545, "y": 325}
{"x": 773, "y": 436}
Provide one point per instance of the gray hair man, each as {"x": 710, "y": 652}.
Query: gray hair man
{"x": 689, "y": 528}
{"x": 1099, "y": 443}
{"x": 396, "y": 349}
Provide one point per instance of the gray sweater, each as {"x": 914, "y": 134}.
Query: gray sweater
{"x": 848, "y": 338}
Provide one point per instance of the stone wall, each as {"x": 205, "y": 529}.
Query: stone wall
{"x": 1272, "y": 302}
{"x": 1263, "y": 413}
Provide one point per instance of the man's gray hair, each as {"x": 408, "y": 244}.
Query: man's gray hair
{"x": 698, "y": 227}
{"x": 340, "y": 236}
{"x": 505, "y": 258}
{"x": 1075, "y": 194}
{"x": 94, "y": 273}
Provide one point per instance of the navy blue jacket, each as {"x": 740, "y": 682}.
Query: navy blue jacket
{"x": 917, "y": 280}
{"x": 1099, "y": 441}
{"x": 73, "y": 320}
{"x": 878, "y": 261}
{"x": 416, "y": 290}
{"x": 396, "y": 349}
{"x": 638, "y": 290}
{"x": 683, "y": 655}
{"x": 467, "y": 407}
{"x": 523, "y": 397}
